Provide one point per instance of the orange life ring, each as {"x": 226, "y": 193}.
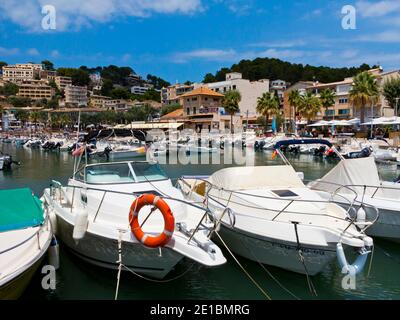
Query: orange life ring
{"x": 169, "y": 221}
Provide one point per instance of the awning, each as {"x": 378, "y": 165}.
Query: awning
{"x": 148, "y": 126}
{"x": 383, "y": 121}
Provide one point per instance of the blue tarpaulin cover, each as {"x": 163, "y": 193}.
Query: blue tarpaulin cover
{"x": 19, "y": 209}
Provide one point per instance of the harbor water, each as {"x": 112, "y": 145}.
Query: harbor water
{"x": 77, "y": 279}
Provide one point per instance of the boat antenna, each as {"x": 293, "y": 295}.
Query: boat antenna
{"x": 76, "y": 144}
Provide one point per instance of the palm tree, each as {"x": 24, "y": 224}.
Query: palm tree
{"x": 365, "y": 92}
{"x": 231, "y": 104}
{"x": 294, "y": 101}
{"x": 327, "y": 98}
{"x": 267, "y": 105}
{"x": 310, "y": 106}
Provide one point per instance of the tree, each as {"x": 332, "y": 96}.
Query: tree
{"x": 267, "y": 105}
{"x": 294, "y": 101}
{"x": 208, "y": 78}
{"x": 391, "y": 92}
{"x": 231, "y": 104}
{"x": 117, "y": 75}
{"x": 2, "y": 64}
{"x": 20, "y": 102}
{"x": 22, "y": 115}
{"x": 170, "y": 108}
{"x": 364, "y": 92}
{"x": 310, "y": 106}
{"x": 79, "y": 77}
{"x": 327, "y": 97}
{"x": 107, "y": 87}
{"x": 157, "y": 82}
{"x": 9, "y": 89}
{"x": 271, "y": 68}
{"x": 48, "y": 65}
{"x": 120, "y": 93}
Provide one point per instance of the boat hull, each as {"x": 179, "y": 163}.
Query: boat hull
{"x": 103, "y": 252}
{"x": 13, "y": 289}
{"x": 280, "y": 254}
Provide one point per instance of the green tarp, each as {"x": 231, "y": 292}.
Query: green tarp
{"x": 19, "y": 209}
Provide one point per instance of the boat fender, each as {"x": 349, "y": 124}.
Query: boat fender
{"x": 53, "y": 220}
{"x": 361, "y": 216}
{"x": 54, "y": 253}
{"x": 80, "y": 227}
{"x": 358, "y": 265}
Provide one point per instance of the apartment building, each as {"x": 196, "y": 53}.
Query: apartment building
{"x": 76, "y": 96}
{"x": 118, "y": 105}
{"x": 35, "y": 90}
{"x": 288, "y": 110}
{"x": 342, "y": 109}
{"x": 278, "y": 87}
{"x": 21, "y": 72}
{"x": 98, "y": 102}
{"x": 48, "y": 75}
{"x": 202, "y": 109}
{"x": 250, "y": 91}
{"x": 140, "y": 90}
{"x": 170, "y": 95}
{"x": 62, "y": 82}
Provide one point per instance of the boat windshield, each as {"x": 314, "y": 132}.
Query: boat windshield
{"x": 124, "y": 172}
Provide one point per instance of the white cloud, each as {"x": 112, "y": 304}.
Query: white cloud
{"x": 74, "y": 14}
{"x": 280, "y": 44}
{"x": 55, "y": 54}
{"x": 385, "y": 36}
{"x": 126, "y": 57}
{"x": 205, "y": 54}
{"x": 377, "y": 9}
{"x": 9, "y": 51}
{"x": 33, "y": 52}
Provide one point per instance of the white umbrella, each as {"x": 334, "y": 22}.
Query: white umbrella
{"x": 383, "y": 121}
{"x": 319, "y": 124}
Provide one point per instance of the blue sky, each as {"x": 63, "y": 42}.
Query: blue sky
{"x": 182, "y": 40}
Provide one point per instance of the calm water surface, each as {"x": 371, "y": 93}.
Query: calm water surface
{"x": 77, "y": 279}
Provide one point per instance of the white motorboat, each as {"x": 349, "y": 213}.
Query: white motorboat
{"x": 25, "y": 236}
{"x": 94, "y": 213}
{"x": 268, "y": 215}
{"x": 361, "y": 177}
{"x": 117, "y": 152}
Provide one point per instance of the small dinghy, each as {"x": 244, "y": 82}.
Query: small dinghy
{"x": 25, "y": 236}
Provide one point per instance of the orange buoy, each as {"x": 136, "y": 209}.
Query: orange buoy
{"x": 169, "y": 221}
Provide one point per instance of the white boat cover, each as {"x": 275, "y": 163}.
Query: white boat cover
{"x": 361, "y": 171}
{"x": 246, "y": 178}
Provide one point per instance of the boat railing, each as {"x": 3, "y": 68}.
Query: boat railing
{"x": 57, "y": 186}
{"x": 351, "y": 186}
{"x": 351, "y": 215}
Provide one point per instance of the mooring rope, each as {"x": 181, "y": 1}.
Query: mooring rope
{"x": 243, "y": 269}
{"x": 119, "y": 264}
{"x": 302, "y": 260}
{"x": 271, "y": 275}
